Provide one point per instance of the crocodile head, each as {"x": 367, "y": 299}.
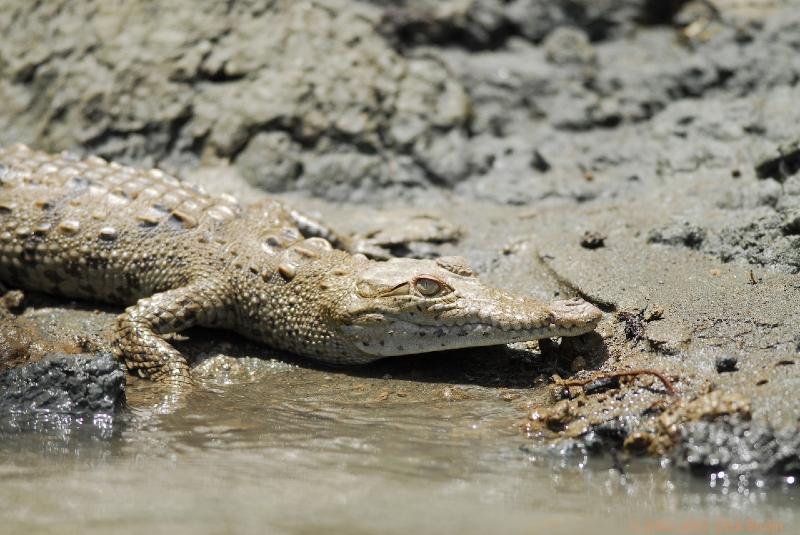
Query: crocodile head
{"x": 404, "y": 306}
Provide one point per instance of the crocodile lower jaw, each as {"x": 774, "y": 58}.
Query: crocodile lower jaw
{"x": 404, "y": 338}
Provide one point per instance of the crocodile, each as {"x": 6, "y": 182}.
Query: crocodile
{"x": 178, "y": 257}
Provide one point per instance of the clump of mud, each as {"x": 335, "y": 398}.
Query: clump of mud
{"x": 297, "y": 94}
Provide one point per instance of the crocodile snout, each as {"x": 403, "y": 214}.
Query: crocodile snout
{"x": 575, "y": 313}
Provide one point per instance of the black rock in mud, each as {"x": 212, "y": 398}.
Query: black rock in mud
{"x": 63, "y": 385}
{"x": 481, "y": 24}
{"x": 738, "y": 448}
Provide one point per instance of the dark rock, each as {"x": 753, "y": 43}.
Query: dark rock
{"x": 727, "y": 364}
{"x": 738, "y": 447}
{"x": 63, "y": 384}
{"x": 600, "y": 19}
{"x": 592, "y": 240}
{"x": 683, "y": 233}
{"x": 592, "y": 442}
{"x": 539, "y": 162}
{"x": 477, "y": 25}
{"x": 560, "y": 392}
{"x": 488, "y": 24}
{"x": 615, "y": 431}
{"x": 781, "y": 166}
{"x": 639, "y": 442}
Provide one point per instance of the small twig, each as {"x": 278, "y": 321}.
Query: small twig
{"x": 631, "y": 373}
{"x": 752, "y": 278}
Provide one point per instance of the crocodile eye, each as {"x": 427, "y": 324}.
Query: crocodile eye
{"x": 428, "y": 286}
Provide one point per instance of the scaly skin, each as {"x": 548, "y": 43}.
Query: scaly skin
{"x": 94, "y": 230}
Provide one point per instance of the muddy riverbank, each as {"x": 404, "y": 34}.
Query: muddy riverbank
{"x": 642, "y": 155}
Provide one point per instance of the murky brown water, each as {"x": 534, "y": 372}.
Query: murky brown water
{"x": 302, "y": 451}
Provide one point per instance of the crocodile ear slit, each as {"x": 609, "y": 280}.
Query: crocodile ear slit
{"x": 400, "y": 289}
{"x": 367, "y": 290}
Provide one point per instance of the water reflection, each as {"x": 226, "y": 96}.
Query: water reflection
{"x": 255, "y": 457}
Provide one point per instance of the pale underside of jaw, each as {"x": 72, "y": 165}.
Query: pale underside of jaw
{"x": 405, "y": 338}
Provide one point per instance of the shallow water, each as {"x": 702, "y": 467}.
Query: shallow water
{"x": 303, "y": 450}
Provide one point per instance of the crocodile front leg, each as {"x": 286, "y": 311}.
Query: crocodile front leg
{"x": 138, "y": 341}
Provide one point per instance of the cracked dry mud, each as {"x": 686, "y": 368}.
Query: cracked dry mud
{"x": 670, "y": 132}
